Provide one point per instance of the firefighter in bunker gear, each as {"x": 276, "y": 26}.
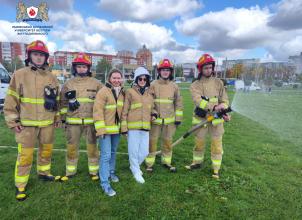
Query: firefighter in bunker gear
{"x": 30, "y": 110}
{"x": 168, "y": 105}
{"x": 208, "y": 95}
{"x": 77, "y": 98}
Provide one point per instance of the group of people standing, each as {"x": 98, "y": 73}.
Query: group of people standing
{"x": 35, "y": 105}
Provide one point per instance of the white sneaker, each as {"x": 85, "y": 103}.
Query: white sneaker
{"x": 138, "y": 177}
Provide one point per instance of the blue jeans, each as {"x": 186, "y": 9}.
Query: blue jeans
{"x": 108, "y": 146}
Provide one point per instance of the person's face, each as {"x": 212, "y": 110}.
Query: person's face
{"x": 37, "y": 58}
{"x": 81, "y": 69}
{"x": 116, "y": 79}
{"x": 142, "y": 80}
{"x": 165, "y": 73}
{"x": 207, "y": 70}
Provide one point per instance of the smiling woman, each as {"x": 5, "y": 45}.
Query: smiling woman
{"x": 107, "y": 111}
{"x": 137, "y": 114}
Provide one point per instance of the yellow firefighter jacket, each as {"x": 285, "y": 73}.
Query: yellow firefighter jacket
{"x": 137, "y": 110}
{"x": 167, "y": 101}
{"x": 86, "y": 89}
{"x": 24, "y": 102}
{"x": 211, "y": 88}
{"x": 107, "y": 110}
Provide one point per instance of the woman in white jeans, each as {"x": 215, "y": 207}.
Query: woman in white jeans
{"x": 136, "y": 119}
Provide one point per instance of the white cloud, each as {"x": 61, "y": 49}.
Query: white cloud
{"x": 52, "y": 46}
{"x": 191, "y": 55}
{"x": 232, "y": 53}
{"x": 91, "y": 43}
{"x": 285, "y": 44}
{"x": 267, "y": 57}
{"x": 147, "y": 10}
{"x": 67, "y": 20}
{"x": 90, "y": 34}
{"x": 181, "y": 56}
{"x": 228, "y": 29}
{"x": 232, "y": 32}
{"x": 288, "y": 15}
{"x": 71, "y": 28}
{"x": 132, "y": 35}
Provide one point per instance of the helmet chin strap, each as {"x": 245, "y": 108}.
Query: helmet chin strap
{"x": 29, "y": 61}
{"x": 82, "y": 74}
{"x": 37, "y": 66}
{"x": 164, "y": 78}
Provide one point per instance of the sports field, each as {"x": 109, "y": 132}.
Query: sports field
{"x": 261, "y": 178}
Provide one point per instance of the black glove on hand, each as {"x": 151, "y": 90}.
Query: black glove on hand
{"x": 200, "y": 112}
{"x": 205, "y": 98}
{"x": 50, "y": 97}
{"x": 73, "y": 103}
{"x": 177, "y": 123}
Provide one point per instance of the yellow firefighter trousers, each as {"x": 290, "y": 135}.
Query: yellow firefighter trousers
{"x": 167, "y": 136}
{"x": 216, "y": 133}
{"x": 73, "y": 135}
{"x": 26, "y": 140}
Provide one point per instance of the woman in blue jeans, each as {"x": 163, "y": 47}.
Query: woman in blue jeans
{"x": 107, "y": 110}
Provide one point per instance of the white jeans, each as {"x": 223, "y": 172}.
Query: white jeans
{"x": 138, "y": 149}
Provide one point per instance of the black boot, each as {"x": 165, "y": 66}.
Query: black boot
{"x": 149, "y": 169}
{"x": 49, "y": 177}
{"x": 170, "y": 168}
{"x": 194, "y": 166}
{"x": 94, "y": 177}
{"x": 215, "y": 174}
{"x": 20, "y": 194}
{"x": 66, "y": 178}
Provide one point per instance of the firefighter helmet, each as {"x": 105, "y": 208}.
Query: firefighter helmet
{"x": 205, "y": 59}
{"x": 36, "y": 46}
{"x": 81, "y": 58}
{"x": 165, "y": 64}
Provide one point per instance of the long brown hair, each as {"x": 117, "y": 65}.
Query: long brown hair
{"x": 114, "y": 71}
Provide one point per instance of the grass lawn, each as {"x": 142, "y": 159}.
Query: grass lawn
{"x": 260, "y": 179}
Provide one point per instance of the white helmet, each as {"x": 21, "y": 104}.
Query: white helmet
{"x": 140, "y": 71}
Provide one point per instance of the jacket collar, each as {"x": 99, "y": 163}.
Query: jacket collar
{"x": 162, "y": 81}
{"x": 110, "y": 86}
{"x": 42, "y": 70}
{"x": 80, "y": 78}
{"x": 206, "y": 79}
{"x": 137, "y": 89}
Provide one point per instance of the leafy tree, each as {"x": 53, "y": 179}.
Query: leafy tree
{"x": 102, "y": 68}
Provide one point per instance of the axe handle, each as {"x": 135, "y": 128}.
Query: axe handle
{"x": 187, "y": 134}
{"x": 178, "y": 141}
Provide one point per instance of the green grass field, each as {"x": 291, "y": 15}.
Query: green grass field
{"x": 260, "y": 179}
